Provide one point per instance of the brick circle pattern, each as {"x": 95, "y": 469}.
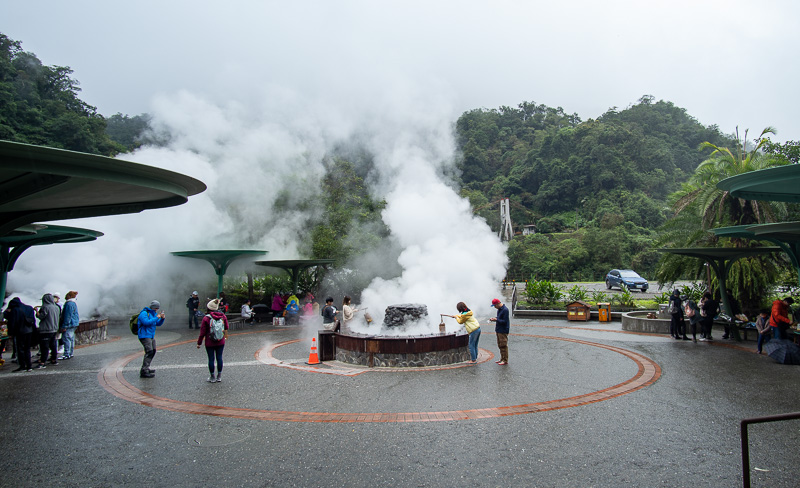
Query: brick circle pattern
{"x": 112, "y": 379}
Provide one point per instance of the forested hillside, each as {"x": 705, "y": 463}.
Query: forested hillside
{"x": 595, "y": 190}
{"x": 40, "y": 105}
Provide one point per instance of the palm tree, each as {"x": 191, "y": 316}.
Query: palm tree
{"x": 718, "y": 208}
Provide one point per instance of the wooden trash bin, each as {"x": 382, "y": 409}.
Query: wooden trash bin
{"x": 578, "y": 310}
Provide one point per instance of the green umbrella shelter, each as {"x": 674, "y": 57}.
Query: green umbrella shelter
{"x": 294, "y": 267}
{"x": 219, "y": 259}
{"x": 13, "y": 244}
{"x": 778, "y": 184}
{"x": 41, "y": 183}
{"x": 786, "y": 235}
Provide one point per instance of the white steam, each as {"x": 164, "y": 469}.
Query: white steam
{"x": 247, "y": 151}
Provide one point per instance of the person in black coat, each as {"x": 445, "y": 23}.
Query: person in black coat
{"x": 677, "y": 324}
{"x": 708, "y": 310}
{"x": 21, "y": 319}
{"x": 193, "y": 303}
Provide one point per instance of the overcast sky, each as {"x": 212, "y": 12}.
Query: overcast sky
{"x": 727, "y": 62}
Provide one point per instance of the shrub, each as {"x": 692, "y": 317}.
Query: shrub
{"x": 577, "y": 293}
{"x": 543, "y": 292}
{"x": 663, "y": 297}
{"x": 624, "y": 299}
{"x": 693, "y": 292}
{"x": 599, "y": 296}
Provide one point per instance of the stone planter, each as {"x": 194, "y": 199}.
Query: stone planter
{"x": 638, "y": 322}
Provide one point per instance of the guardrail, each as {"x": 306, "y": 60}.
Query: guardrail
{"x": 746, "y": 447}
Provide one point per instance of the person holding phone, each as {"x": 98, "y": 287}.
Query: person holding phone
{"x": 149, "y": 318}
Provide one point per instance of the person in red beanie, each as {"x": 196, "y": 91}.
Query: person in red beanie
{"x": 501, "y": 329}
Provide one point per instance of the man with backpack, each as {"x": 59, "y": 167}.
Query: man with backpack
{"x": 149, "y": 318}
{"x": 215, "y": 330}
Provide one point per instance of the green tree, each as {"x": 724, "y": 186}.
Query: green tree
{"x": 350, "y": 223}
{"x": 789, "y": 151}
{"x": 128, "y": 131}
{"x": 718, "y": 208}
{"x": 40, "y": 105}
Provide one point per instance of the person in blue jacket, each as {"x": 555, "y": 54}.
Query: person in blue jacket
{"x": 502, "y": 327}
{"x": 71, "y": 319}
{"x": 149, "y": 318}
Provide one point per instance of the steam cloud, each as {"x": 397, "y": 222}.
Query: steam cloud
{"x": 246, "y": 150}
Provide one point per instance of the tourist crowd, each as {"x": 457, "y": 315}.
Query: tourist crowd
{"x": 49, "y": 327}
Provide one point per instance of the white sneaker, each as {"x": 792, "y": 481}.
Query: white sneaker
{"x": 703, "y": 339}
{"x": 211, "y": 379}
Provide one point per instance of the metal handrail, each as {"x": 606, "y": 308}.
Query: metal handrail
{"x": 745, "y": 446}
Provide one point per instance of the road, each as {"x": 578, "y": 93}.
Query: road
{"x": 654, "y": 289}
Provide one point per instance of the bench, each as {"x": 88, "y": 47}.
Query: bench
{"x": 235, "y": 321}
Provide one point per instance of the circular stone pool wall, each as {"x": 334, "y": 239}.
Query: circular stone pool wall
{"x": 402, "y": 352}
{"x": 638, "y": 322}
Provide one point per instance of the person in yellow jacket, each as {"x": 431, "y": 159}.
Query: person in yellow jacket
{"x": 472, "y": 326}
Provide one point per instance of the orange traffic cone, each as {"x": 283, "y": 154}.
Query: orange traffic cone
{"x": 313, "y": 358}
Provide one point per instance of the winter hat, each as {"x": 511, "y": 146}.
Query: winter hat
{"x": 213, "y": 305}
{"x": 155, "y": 305}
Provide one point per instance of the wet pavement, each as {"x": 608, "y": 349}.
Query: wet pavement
{"x": 580, "y": 404}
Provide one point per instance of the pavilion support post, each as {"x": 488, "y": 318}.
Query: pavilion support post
{"x": 722, "y": 267}
{"x": 219, "y": 283}
{"x": 4, "y": 263}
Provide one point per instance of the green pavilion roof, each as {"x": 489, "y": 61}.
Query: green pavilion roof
{"x": 294, "y": 266}
{"x": 16, "y": 242}
{"x": 779, "y": 184}
{"x": 41, "y": 183}
{"x": 220, "y": 259}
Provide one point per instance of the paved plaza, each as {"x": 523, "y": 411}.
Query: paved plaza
{"x": 580, "y": 404}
